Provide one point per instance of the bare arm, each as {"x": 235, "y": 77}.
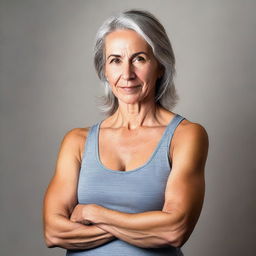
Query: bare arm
{"x": 146, "y": 229}
{"x": 183, "y": 200}
{"x": 61, "y": 198}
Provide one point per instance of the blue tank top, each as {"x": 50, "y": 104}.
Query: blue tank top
{"x": 138, "y": 190}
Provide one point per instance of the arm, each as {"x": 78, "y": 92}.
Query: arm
{"x": 146, "y": 229}
{"x": 183, "y": 200}
{"x": 61, "y": 198}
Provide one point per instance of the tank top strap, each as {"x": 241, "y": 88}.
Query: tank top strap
{"x": 90, "y": 143}
{"x": 170, "y": 130}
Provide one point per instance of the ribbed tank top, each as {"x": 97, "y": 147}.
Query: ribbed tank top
{"x": 138, "y": 190}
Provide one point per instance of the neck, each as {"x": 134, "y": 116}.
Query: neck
{"x": 133, "y": 116}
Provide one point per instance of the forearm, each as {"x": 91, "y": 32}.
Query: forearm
{"x": 61, "y": 232}
{"x": 147, "y": 229}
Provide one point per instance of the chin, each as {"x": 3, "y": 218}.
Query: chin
{"x": 129, "y": 99}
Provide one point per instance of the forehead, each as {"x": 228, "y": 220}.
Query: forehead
{"x": 125, "y": 39}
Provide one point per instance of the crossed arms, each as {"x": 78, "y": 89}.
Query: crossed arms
{"x": 66, "y": 223}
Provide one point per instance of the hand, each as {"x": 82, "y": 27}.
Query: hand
{"x": 84, "y": 214}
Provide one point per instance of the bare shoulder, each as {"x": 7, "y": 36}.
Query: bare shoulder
{"x": 77, "y": 133}
{"x": 188, "y": 130}
{"x": 75, "y": 140}
{"x": 190, "y": 136}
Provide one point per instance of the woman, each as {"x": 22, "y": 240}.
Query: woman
{"x": 132, "y": 184}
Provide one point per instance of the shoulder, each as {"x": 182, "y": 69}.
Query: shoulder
{"x": 190, "y": 137}
{"x": 75, "y": 135}
{"x": 190, "y": 131}
{"x": 75, "y": 139}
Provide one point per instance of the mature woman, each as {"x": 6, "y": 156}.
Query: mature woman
{"x": 133, "y": 183}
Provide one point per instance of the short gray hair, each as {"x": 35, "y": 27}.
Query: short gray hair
{"x": 153, "y": 32}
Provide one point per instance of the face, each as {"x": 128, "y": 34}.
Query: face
{"x": 130, "y": 68}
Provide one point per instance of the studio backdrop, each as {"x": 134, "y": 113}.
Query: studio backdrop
{"x": 49, "y": 86}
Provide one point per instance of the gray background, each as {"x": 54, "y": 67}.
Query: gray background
{"x": 48, "y": 86}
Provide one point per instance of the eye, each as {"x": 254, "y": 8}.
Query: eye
{"x": 140, "y": 59}
{"x": 115, "y": 60}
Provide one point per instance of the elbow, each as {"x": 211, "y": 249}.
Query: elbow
{"x": 51, "y": 242}
{"x": 177, "y": 238}
{"x": 178, "y": 232}
{"x": 50, "y": 239}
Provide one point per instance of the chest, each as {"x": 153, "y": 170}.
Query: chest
{"x": 124, "y": 151}
{"x": 132, "y": 174}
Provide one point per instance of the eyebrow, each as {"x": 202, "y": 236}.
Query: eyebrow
{"x": 133, "y": 55}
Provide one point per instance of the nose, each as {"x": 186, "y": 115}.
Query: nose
{"x": 128, "y": 72}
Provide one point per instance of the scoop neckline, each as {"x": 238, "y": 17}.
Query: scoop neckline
{"x": 141, "y": 166}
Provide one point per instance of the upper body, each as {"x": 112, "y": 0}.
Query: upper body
{"x": 132, "y": 72}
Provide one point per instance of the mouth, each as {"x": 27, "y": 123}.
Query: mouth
{"x": 130, "y": 88}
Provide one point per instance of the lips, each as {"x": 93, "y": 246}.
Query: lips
{"x": 130, "y": 89}
{"x": 130, "y": 86}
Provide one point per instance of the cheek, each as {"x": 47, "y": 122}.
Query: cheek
{"x": 147, "y": 76}
{"x": 113, "y": 79}
{"x": 113, "y": 75}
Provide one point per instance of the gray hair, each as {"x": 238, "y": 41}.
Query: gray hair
{"x": 153, "y": 32}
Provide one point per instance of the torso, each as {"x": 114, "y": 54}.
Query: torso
{"x": 123, "y": 150}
